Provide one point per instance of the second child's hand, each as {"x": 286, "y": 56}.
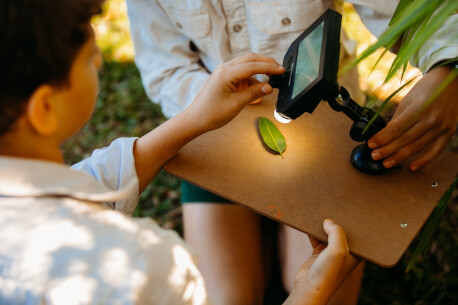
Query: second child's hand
{"x": 231, "y": 87}
{"x": 228, "y": 90}
{"x": 416, "y": 128}
{"x": 320, "y": 276}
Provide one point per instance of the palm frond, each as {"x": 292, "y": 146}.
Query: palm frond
{"x": 414, "y": 22}
{"x": 430, "y": 25}
{"x": 385, "y": 102}
{"x": 428, "y": 229}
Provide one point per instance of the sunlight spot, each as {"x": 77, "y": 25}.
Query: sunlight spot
{"x": 78, "y": 266}
{"x": 114, "y": 266}
{"x": 185, "y": 276}
{"x": 72, "y": 290}
{"x": 54, "y": 234}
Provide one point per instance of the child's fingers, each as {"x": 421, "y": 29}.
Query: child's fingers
{"x": 252, "y": 57}
{"x": 255, "y": 92}
{"x": 394, "y": 129}
{"x": 253, "y": 81}
{"x": 317, "y": 245}
{"x": 433, "y": 151}
{"x": 337, "y": 250}
{"x": 246, "y": 70}
{"x": 337, "y": 240}
{"x": 313, "y": 241}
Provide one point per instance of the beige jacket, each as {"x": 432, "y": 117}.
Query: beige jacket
{"x": 178, "y": 43}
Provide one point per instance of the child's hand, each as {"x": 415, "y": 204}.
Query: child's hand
{"x": 230, "y": 88}
{"x": 325, "y": 270}
{"x": 415, "y": 127}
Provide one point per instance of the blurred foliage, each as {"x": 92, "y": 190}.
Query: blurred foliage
{"x": 372, "y": 80}
{"x": 432, "y": 281}
{"x": 112, "y": 31}
{"x": 123, "y": 109}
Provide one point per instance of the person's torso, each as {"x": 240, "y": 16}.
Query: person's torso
{"x": 222, "y": 30}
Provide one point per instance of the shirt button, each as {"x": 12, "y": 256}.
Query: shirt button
{"x": 286, "y": 21}
{"x": 179, "y": 25}
{"x": 237, "y": 28}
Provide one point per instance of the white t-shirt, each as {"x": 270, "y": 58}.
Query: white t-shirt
{"x": 60, "y": 244}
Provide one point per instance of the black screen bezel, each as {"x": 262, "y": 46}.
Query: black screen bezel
{"x": 326, "y": 81}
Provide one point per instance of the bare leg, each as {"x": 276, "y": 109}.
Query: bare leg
{"x": 228, "y": 242}
{"x": 295, "y": 248}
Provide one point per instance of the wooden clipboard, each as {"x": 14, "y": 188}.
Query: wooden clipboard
{"x": 381, "y": 214}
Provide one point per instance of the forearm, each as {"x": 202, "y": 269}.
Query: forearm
{"x": 153, "y": 149}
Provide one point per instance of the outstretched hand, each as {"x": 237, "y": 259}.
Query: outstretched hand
{"x": 231, "y": 87}
{"x": 320, "y": 276}
{"x": 415, "y": 127}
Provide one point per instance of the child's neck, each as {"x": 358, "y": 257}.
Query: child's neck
{"x": 14, "y": 146}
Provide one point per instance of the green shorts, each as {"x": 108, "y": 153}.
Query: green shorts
{"x": 191, "y": 194}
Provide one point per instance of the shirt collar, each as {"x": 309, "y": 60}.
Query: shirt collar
{"x": 35, "y": 178}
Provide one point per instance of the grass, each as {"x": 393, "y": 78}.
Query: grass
{"x": 123, "y": 109}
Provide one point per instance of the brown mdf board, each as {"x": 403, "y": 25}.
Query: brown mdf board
{"x": 381, "y": 214}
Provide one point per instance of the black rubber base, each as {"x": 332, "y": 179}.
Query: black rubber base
{"x": 362, "y": 160}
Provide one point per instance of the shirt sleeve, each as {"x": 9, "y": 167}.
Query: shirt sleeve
{"x": 442, "y": 45}
{"x": 171, "y": 72}
{"x": 114, "y": 167}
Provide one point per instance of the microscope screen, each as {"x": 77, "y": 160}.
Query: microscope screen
{"x": 308, "y": 60}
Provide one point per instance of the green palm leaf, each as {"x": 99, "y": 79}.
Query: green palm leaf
{"x": 409, "y": 17}
{"x": 400, "y": 10}
{"x": 385, "y": 102}
{"x": 425, "y": 238}
{"x": 427, "y": 28}
{"x": 414, "y": 21}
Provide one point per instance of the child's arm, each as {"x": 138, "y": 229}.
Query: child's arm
{"x": 320, "y": 276}
{"x": 219, "y": 101}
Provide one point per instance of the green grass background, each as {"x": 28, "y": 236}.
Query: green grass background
{"x": 124, "y": 110}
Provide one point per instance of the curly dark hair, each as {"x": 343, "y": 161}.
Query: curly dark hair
{"x": 39, "y": 40}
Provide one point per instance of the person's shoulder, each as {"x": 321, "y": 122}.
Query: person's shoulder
{"x": 71, "y": 239}
{"x": 68, "y": 221}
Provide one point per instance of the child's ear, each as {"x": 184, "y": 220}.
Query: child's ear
{"x": 41, "y": 112}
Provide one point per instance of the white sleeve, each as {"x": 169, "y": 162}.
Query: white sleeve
{"x": 442, "y": 45}
{"x": 114, "y": 167}
{"x": 171, "y": 72}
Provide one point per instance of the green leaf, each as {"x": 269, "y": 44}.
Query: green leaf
{"x": 415, "y": 13}
{"x": 427, "y": 28}
{"x": 381, "y": 56}
{"x": 385, "y": 102}
{"x": 425, "y": 238}
{"x": 400, "y": 10}
{"x": 272, "y": 136}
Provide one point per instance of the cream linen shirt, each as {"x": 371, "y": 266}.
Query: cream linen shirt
{"x": 59, "y": 245}
{"x": 178, "y": 43}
